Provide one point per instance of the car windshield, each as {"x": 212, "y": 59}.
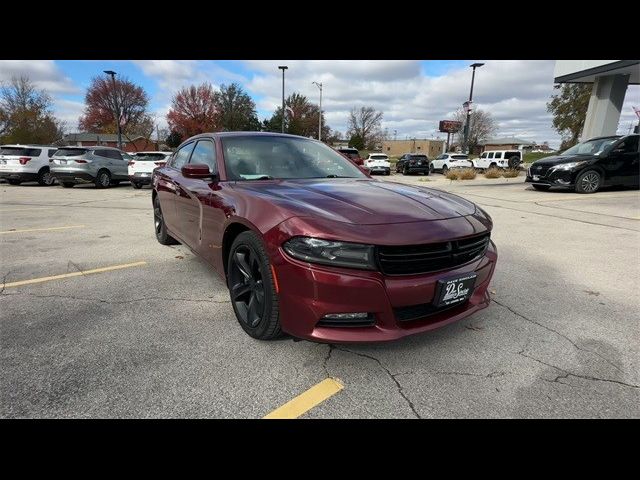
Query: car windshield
{"x": 255, "y": 157}
{"x": 590, "y": 147}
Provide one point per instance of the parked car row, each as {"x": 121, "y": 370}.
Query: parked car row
{"x": 100, "y": 165}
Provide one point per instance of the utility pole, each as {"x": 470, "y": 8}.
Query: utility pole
{"x": 319, "y": 85}
{"x": 115, "y": 95}
{"x": 283, "y": 68}
{"x": 466, "y": 125}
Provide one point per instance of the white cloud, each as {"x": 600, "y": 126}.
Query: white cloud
{"x": 515, "y": 92}
{"x": 45, "y": 74}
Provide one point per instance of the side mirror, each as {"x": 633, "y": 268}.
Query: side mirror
{"x": 197, "y": 171}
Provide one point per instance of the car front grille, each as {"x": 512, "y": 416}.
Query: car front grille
{"x": 347, "y": 323}
{"x": 415, "y": 312}
{"x": 412, "y": 259}
{"x": 540, "y": 170}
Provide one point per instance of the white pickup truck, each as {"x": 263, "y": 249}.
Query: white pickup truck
{"x": 378, "y": 163}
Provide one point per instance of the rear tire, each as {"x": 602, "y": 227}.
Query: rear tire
{"x": 45, "y": 178}
{"x": 542, "y": 188}
{"x": 136, "y": 185}
{"x": 67, "y": 184}
{"x": 445, "y": 169}
{"x": 588, "y": 182}
{"x": 13, "y": 181}
{"x": 160, "y": 228}
{"x": 252, "y": 291}
{"x": 514, "y": 162}
{"x": 103, "y": 179}
{"x": 405, "y": 171}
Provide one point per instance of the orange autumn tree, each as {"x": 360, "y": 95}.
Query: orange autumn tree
{"x": 193, "y": 110}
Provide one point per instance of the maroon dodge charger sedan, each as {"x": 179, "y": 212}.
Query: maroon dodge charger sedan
{"x": 310, "y": 245}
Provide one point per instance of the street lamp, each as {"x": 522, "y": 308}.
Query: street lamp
{"x": 283, "y": 68}
{"x": 319, "y": 85}
{"x": 112, "y": 74}
{"x": 466, "y": 126}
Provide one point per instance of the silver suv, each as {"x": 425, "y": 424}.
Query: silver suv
{"x": 102, "y": 166}
{"x": 26, "y": 163}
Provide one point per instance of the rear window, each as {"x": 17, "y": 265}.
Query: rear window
{"x": 149, "y": 157}
{"x": 379, "y": 157}
{"x": 348, "y": 151}
{"x": 70, "y": 152}
{"x": 419, "y": 157}
{"x": 460, "y": 157}
{"x": 24, "y": 152}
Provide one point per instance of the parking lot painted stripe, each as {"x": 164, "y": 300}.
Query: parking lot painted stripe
{"x": 40, "y": 229}
{"x": 307, "y": 400}
{"x": 72, "y": 274}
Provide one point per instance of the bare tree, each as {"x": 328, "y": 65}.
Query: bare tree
{"x": 482, "y": 127}
{"x": 364, "y": 123}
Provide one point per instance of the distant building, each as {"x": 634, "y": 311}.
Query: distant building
{"x": 135, "y": 144}
{"x": 432, "y": 148}
{"x": 504, "y": 143}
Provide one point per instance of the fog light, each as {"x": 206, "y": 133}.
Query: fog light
{"x": 347, "y": 316}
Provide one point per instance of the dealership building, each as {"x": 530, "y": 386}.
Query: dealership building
{"x": 431, "y": 148}
{"x": 610, "y": 79}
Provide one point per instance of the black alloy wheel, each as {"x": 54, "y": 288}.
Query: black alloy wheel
{"x": 103, "y": 179}
{"x": 588, "y": 182}
{"x": 252, "y": 288}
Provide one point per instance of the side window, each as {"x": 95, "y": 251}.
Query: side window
{"x": 498, "y": 155}
{"x": 490, "y": 155}
{"x": 484, "y": 155}
{"x": 51, "y": 152}
{"x": 115, "y": 154}
{"x": 630, "y": 144}
{"x": 101, "y": 153}
{"x": 205, "y": 153}
{"x": 182, "y": 156}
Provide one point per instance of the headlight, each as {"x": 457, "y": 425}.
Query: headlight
{"x": 326, "y": 252}
{"x": 569, "y": 166}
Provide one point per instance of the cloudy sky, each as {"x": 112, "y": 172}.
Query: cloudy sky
{"x": 413, "y": 95}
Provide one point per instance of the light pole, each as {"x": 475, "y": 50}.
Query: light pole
{"x": 115, "y": 95}
{"x": 319, "y": 85}
{"x": 466, "y": 125}
{"x": 283, "y": 68}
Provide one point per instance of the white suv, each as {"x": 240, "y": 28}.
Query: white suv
{"x": 142, "y": 164}
{"x": 378, "y": 163}
{"x": 26, "y": 163}
{"x": 498, "y": 159}
{"x": 449, "y": 160}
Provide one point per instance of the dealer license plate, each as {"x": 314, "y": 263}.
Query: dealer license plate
{"x": 455, "y": 290}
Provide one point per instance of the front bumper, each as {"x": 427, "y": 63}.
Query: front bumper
{"x": 308, "y": 292}
{"x": 552, "y": 178}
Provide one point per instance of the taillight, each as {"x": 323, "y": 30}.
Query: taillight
{"x": 23, "y": 160}
{"x": 131, "y": 163}
{"x": 81, "y": 161}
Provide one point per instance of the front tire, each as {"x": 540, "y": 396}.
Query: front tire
{"x": 136, "y": 185}
{"x": 252, "y": 288}
{"x": 445, "y": 169}
{"x": 405, "y": 170}
{"x": 588, "y": 182}
{"x": 103, "y": 179}
{"x": 161, "y": 229}
{"x": 431, "y": 169}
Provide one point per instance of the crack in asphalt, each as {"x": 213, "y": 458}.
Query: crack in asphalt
{"x": 582, "y": 349}
{"x": 120, "y": 302}
{"x": 567, "y": 373}
{"x": 399, "y": 386}
{"x": 4, "y": 281}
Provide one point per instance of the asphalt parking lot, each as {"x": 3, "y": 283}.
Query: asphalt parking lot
{"x": 130, "y": 328}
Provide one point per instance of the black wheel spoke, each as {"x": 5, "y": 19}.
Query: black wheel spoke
{"x": 252, "y": 316}
{"x": 241, "y": 262}
{"x": 239, "y": 290}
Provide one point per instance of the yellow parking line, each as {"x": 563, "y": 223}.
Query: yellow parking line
{"x": 72, "y": 274}
{"x": 40, "y": 229}
{"x": 307, "y": 400}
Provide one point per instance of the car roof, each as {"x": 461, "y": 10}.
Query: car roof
{"x": 91, "y": 147}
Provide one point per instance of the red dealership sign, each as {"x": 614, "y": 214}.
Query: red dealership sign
{"x": 450, "y": 126}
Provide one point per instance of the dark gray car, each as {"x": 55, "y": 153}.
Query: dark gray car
{"x": 102, "y": 166}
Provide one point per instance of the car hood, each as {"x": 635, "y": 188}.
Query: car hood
{"x": 359, "y": 201}
{"x": 559, "y": 159}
